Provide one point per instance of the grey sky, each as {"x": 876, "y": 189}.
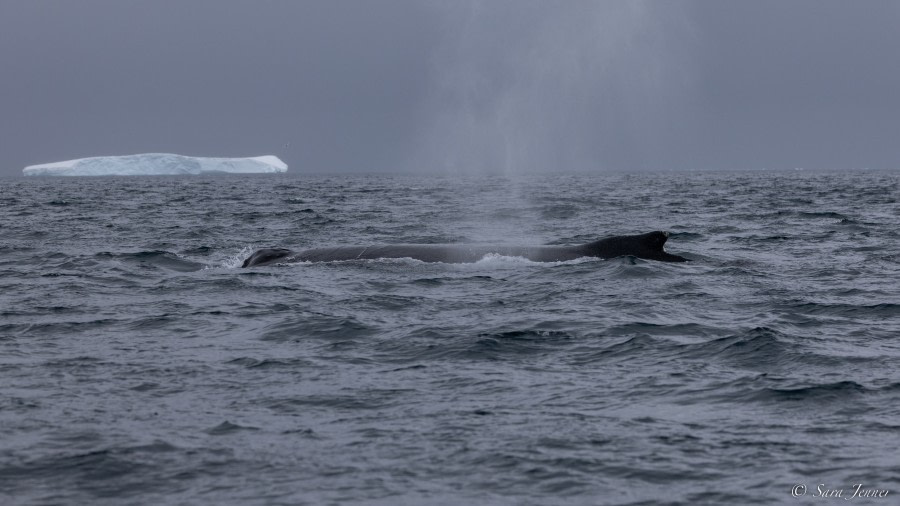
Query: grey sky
{"x": 500, "y": 86}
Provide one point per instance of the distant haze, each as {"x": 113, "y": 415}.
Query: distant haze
{"x": 498, "y": 86}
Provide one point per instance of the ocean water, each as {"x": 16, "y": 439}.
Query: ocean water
{"x": 140, "y": 364}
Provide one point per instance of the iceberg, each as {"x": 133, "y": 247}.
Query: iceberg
{"x": 155, "y": 164}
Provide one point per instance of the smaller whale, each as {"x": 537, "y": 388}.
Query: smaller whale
{"x": 647, "y": 246}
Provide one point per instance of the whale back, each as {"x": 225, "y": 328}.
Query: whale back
{"x": 649, "y": 246}
{"x": 266, "y": 256}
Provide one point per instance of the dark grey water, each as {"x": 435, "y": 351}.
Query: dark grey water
{"x": 139, "y": 365}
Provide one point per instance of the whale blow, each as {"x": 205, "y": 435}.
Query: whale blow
{"x": 648, "y": 246}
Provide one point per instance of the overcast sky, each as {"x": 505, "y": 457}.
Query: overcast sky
{"x": 503, "y": 86}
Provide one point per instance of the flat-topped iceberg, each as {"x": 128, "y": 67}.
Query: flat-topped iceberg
{"x": 156, "y": 164}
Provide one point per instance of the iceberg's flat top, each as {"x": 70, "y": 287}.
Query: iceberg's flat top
{"x": 154, "y": 164}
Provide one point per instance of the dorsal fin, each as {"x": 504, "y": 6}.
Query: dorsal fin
{"x": 648, "y": 246}
{"x": 655, "y": 242}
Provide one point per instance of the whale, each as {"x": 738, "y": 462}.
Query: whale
{"x": 649, "y": 246}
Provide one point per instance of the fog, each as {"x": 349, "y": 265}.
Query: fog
{"x": 502, "y": 87}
